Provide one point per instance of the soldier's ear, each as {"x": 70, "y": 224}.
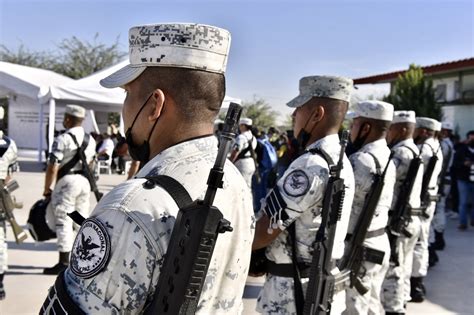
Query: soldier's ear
{"x": 157, "y": 101}
{"x": 318, "y": 114}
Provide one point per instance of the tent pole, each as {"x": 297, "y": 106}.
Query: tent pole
{"x": 41, "y": 135}
{"x": 52, "y": 123}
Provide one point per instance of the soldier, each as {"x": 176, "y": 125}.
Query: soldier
{"x": 439, "y": 218}
{"x": 396, "y": 286}
{"x": 296, "y": 202}
{"x": 8, "y": 163}
{"x": 72, "y": 189}
{"x": 368, "y": 131}
{"x": 175, "y": 86}
{"x": 243, "y": 154}
{"x": 424, "y": 138}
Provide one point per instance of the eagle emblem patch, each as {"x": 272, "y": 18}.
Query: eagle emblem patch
{"x": 296, "y": 183}
{"x": 91, "y": 250}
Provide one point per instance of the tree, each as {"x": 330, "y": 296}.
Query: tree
{"x": 413, "y": 91}
{"x": 74, "y": 58}
{"x": 260, "y": 112}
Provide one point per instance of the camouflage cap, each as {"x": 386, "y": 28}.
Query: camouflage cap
{"x": 438, "y": 126}
{"x": 427, "y": 123}
{"x": 180, "y": 45}
{"x": 404, "y": 116}
{"x": 338, "y": 88}
{"x": 245, "y": 121}
{"x": 447, "y": 125}
{"x": 2, "y": 112}
{"x": 76, "y": 111}
{"x": 374, "y": 110}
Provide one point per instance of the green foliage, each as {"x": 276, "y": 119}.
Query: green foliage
{"x": 260, "y": 112}
{"x": 413, "y": 91}
{"x": 113, "y": 118}
{"x": 74, "y": 58}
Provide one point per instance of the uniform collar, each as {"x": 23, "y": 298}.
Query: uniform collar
{"x": 375, "y": 144}
{"x": 406, "y": 142}
{"x": 77, "y": 128}
{"x": 180, "y": 151}
{"x": 327, "y": 141}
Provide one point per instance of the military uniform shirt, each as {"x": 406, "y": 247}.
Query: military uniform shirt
{"x": 302, "y": 187}
{"x": 364, "y": 168}
{"x": 402, "y": 157}
{"x": 428, "y": 148}
{"x": 64, "y": 148}
{"x": 242, "y": 142}
{"x": 139, "y": 222}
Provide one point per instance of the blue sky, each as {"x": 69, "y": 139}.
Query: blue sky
{"x": 274, "y": 43}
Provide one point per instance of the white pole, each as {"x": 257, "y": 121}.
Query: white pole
{"x": 52, "y": 123}
{"x": 41, "y": 133}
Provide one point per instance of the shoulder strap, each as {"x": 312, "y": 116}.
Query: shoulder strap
{"x": 5, "y": 147}
{"x": 323, "y": 154}
{"x": 179, "y": 194}
{"x": 64, "y": 170}
{"x": 413, "y": 151}
{"x": 378, "y": 168}
{"x": 247, "y": 149}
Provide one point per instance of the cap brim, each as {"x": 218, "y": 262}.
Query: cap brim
{"x": 351, "y": 115}
{"x": 122, "y": 77}
{"x": 298, "y": 101}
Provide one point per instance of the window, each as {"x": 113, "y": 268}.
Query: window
{"x": 440, "y": 93}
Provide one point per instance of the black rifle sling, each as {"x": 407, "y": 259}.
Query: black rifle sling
{"x": 182, "y": 198}
{"x": 66, "y": 168}
{"x": 298, "y": 288}
{"x": 428, "y": 171}
{"x": 4, "y": 148}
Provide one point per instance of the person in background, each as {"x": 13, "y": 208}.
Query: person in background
{"x": 243, "y": 152}
{"x": 8, "y": 161}
{"x": 464, "y": 169}
{"x": 106, "y": 148}
{"x": 72, "y": 189}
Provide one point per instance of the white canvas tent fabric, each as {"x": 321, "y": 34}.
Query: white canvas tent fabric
{"x": 21, "y": 84}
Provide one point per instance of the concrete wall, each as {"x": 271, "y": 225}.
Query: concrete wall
{"x": 462, "y": 116}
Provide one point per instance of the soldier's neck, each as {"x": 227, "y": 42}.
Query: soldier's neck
{"x": 162, "y": 140}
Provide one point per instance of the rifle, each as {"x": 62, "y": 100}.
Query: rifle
{"x": 425, "y": 196}
{"x": 444, "y": 170}
{"x": 354, "y": 259}
{"x": 401, "y": 212}
{"x": 193, "y": 238}
{"x": 7, "y": 206}
{"x": 321, "y": 281}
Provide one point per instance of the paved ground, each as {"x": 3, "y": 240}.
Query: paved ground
{"x": 450, "y": 284}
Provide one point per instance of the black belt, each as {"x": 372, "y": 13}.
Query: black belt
{"x": 369, "y": 234}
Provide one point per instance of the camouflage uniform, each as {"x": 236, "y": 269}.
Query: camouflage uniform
{"x": 372, "y": 274}
{"x": 302, "y": 188}
{"x": 420, "y": 257}
{"x": 396, "y": 286}
{"x": 139, "y": 222}
{"x": 7, "y": 161}
{"x": 245, "y": 164}
{"x": 70, "y": 192}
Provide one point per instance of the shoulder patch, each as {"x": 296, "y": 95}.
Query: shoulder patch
{"x": 91, "y": 250}
{"x": 296, "y": 183}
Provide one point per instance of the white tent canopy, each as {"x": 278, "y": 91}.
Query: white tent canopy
{"x": 21, "y": 84}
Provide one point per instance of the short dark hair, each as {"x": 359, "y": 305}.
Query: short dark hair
{"x": 198, "y": 94}
{"x": 335, "y": 110}
{"x": 470, "y": 133}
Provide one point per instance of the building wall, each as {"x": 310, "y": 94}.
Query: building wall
{"x": 461, "y": 116}
{"x": 451, "y": 85}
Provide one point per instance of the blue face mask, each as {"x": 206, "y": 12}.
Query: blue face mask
{"x": 139, "y": 152}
